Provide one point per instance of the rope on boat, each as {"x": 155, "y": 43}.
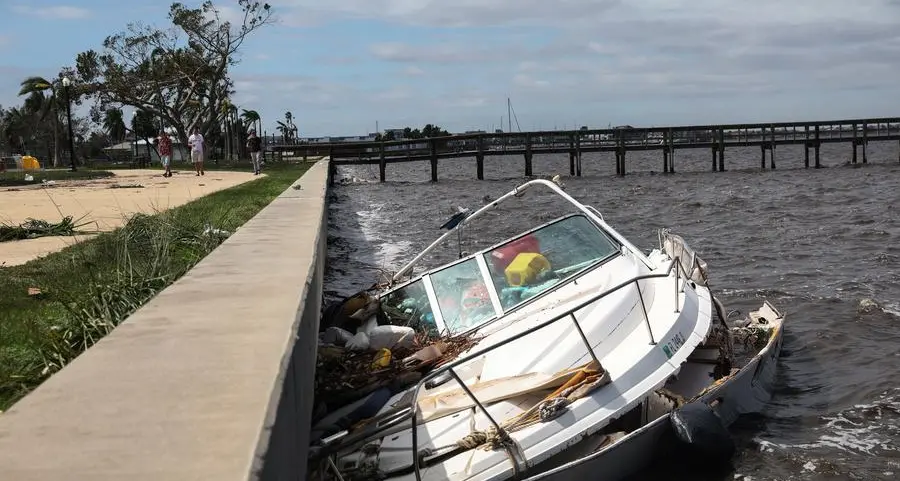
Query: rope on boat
{"x": 586, "y": 380}
{"x": 677, "y": 399}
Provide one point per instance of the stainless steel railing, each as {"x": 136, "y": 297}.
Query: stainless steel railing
{"x": 394, "y": 418}
{"x": 681, "y": 278}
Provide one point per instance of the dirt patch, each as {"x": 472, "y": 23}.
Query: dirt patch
{"x": 102, "y": 202}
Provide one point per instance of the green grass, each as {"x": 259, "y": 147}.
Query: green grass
{"x": 89, "y": 288}
{"x": 17, "y": 178}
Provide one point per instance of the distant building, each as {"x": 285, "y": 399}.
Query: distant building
{"x": 397, "y": 133}
{"x": 130, "y": 149}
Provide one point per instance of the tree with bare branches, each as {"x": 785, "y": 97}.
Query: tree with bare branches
{"x": 179, "y": 74}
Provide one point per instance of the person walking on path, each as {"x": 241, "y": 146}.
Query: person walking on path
{"x": 164, "y": 146}
{"x": 254, "y": 146}
{"x": 196, "y": 143}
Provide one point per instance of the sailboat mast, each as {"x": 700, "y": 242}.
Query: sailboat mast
{"x": 508, "y": 114}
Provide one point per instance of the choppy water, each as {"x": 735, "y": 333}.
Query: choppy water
{"x": 814, "y": 242}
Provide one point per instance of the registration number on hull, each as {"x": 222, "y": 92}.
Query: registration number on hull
{"x": 674, "y": 344}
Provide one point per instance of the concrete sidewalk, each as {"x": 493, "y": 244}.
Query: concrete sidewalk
{"x": 211, "y": 380}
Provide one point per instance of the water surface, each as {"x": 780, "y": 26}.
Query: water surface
{"x": 813, "y": 242}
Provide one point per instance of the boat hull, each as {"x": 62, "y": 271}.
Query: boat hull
{"x": 746, "y": 391}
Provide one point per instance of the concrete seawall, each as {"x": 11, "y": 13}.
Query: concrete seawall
{"x": 212, "y": 379}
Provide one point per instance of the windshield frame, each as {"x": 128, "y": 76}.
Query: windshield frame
{"x": 481, "y": 260}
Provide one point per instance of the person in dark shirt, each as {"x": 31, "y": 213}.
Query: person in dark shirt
{"x": 254, "y": 146}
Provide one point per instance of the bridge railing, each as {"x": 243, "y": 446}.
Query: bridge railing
{"x": 683, "y": 136}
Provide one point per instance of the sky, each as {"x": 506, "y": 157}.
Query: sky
{"x": 344, "y": 66}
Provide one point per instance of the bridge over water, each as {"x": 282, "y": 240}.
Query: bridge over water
{"x": 668, "y": 140}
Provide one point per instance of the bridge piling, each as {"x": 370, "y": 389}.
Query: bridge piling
{"x": 671, "y": 152}
{"x": 434, "y": 160}
{"x": 528, "y": 156}
{"x": 721, "y": 150}
{"x": 618, "y": 157}
{"x": 382, "y": 164}
{"x": 865, "y": 142}
{"x": 855, "y": 143}
{"x": 714, "y": 151}
{"x": 817, "y": 145}
{"x": 806, "y": 147}
{"x": 578, "y": 155}
{"x": 665, "y": 151}
{"x": 479, "y": 159}
{"x": 772, "y": 148}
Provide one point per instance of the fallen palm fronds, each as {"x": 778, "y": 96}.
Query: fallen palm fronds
{"x": 34, "y": 228}
{"x": 343, "y": 375}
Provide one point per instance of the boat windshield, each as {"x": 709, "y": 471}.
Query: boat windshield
{"x": 462, "y": 296}
{"x": 409, "y": 306}
{"x": 518, "y": 270}
{"x": 533, "y": 263}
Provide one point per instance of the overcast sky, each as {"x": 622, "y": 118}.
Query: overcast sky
{"x": 341, "y": 65}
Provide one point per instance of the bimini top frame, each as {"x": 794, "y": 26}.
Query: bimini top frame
{"x": 588, "y": 211}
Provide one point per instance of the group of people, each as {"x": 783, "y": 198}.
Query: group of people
{"x": 198, "y": 146}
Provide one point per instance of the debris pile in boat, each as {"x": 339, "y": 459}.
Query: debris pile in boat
{"x": 344, "y": 374}
{"x": 360, "y": 353}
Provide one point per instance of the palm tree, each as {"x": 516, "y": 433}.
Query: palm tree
{"x": 287, "y": 128}
{"x": 252, "y": 118}
{"x": 114, "y": 125}
{"x": 229, "y": 113}
{"x": 15, "y": 128}
{"x": 43, "y": 99}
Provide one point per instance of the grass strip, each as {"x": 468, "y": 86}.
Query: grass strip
{"x": 55, "y": 307}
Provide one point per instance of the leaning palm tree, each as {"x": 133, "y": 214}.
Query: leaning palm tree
{"x": 43, "y": 99}
{"x": 252, "y": 118}
{"x": 287, "y": 131}
{"x": 289, "y": 125}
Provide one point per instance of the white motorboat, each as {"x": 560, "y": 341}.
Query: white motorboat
{"x": 585, "y": 347}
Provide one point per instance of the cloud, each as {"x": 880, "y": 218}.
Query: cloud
{"x": 694, "y": 60}
{"x": 569, "y": 61}
{"x": 296, "y": 90}
{"x": 464, "y": 13}
{"x": 229, "y": 14}
{"x": 447, "y": 53}
{"x": 413, "y": 71}
{"x": 393, "y": 94}
{"x": 527, "y": 81}
{"x": 62, "y": 12}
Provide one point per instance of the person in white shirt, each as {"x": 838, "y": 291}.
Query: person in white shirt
{"x": 197, "y": 143}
